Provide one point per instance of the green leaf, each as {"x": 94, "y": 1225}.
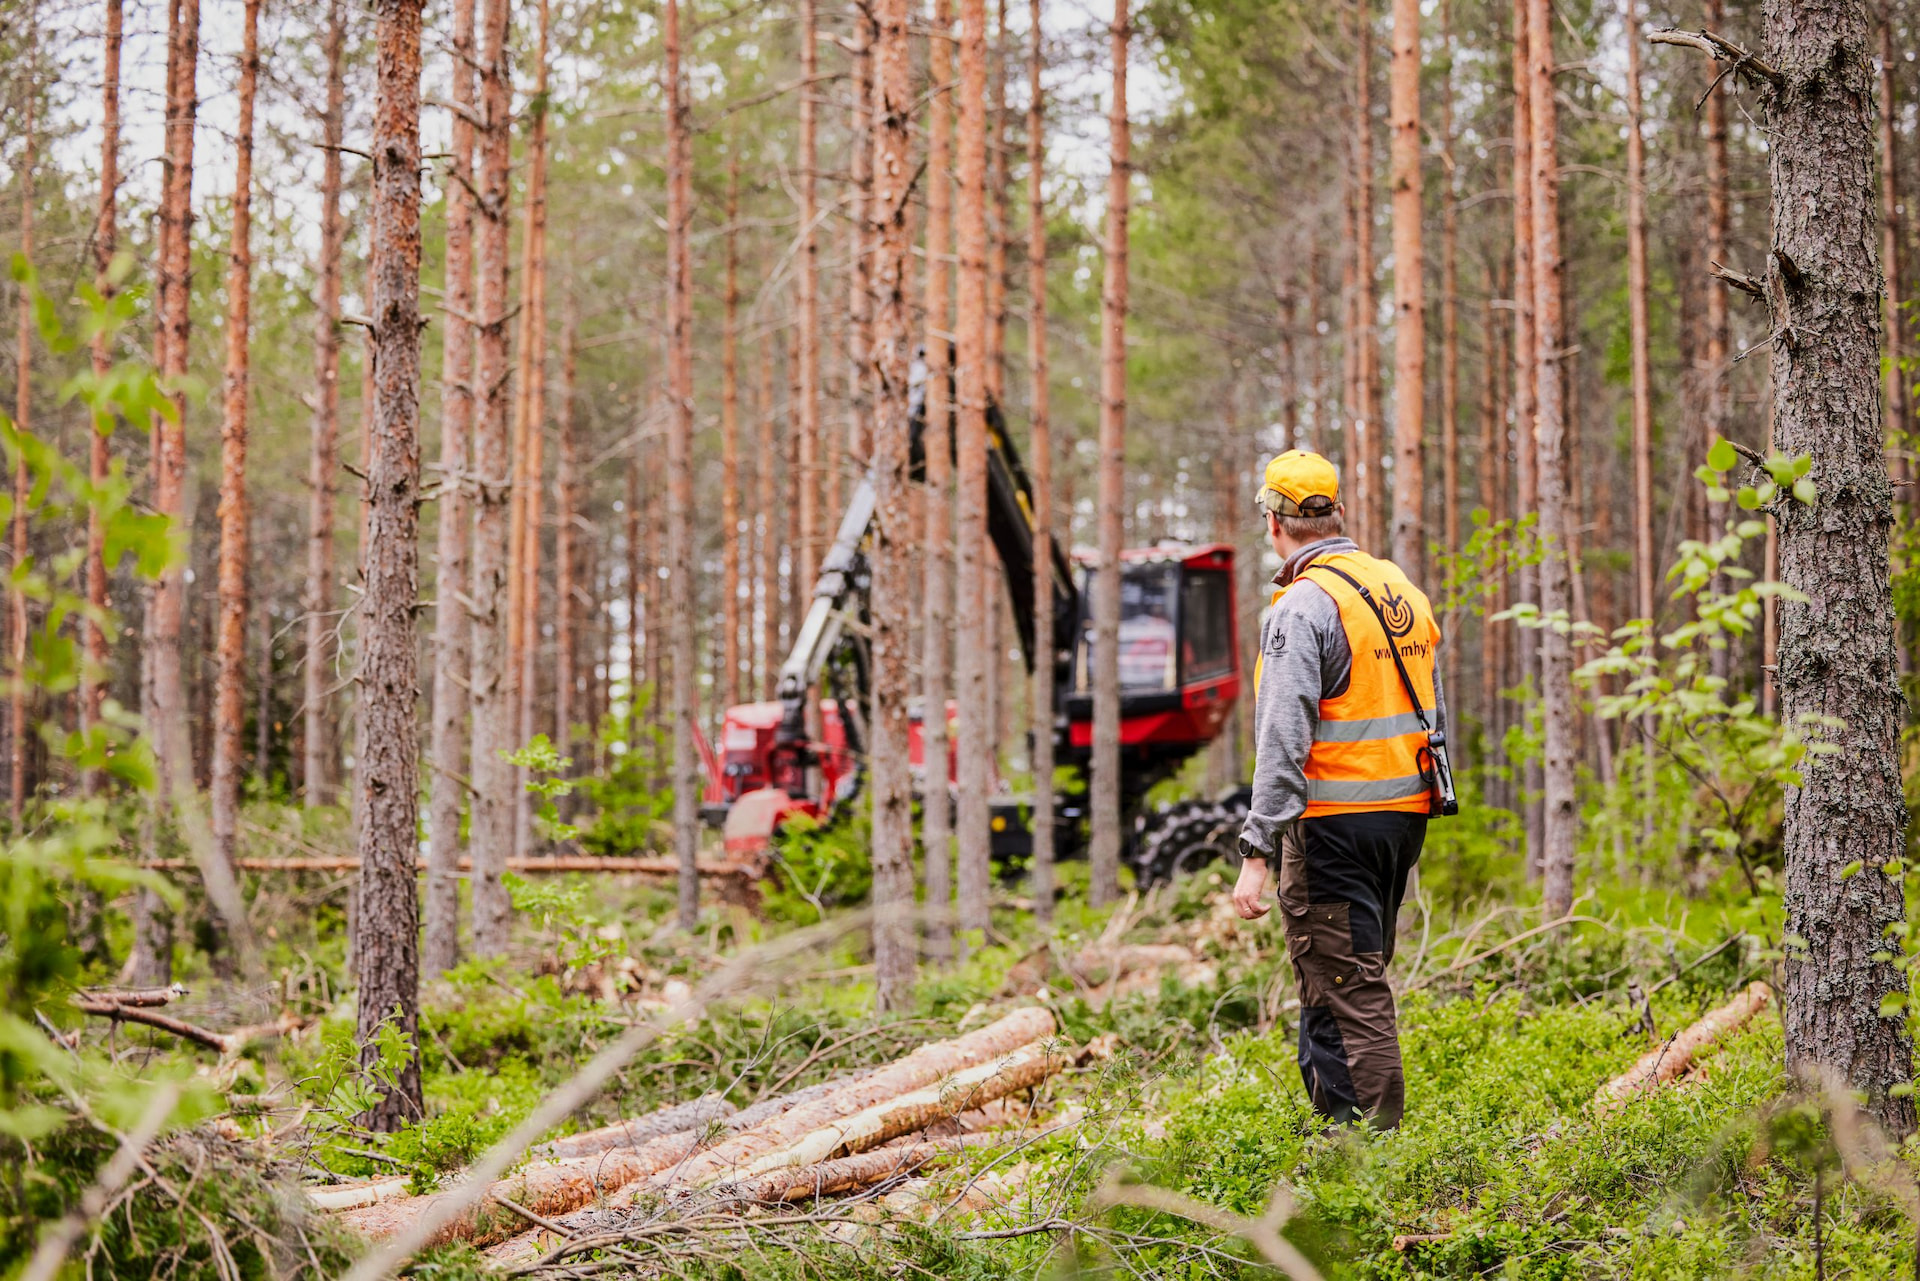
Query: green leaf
{"x": 1892, "y": 1003}
{"x": 1851, "y": 870}
{"x": 1805, "y": 492}
{"x": 1722, "y": 457}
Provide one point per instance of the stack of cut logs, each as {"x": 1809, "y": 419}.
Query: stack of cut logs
{"x": 883, "y": 1125}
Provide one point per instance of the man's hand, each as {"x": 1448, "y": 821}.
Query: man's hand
{"x": 1248, "y": 889}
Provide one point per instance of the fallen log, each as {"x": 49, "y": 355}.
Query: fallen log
{"x": 924, "y": 1067}
{"x": 228, "y": 1044}
{"x": 845, "y": 1174}
{"x": 353, "y": 1196}
{"x": 139, "y": 997}
{"x": 1662, "y": 1064}
{"x": 677, "y": 1118}
{"x": 564, "y": 1185}
{"x": 915, "y": 1110}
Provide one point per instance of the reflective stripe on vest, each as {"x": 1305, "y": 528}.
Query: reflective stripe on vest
{"x": 1368, "y": 747}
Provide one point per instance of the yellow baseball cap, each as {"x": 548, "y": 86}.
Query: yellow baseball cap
{"x": 1298, "y": 483}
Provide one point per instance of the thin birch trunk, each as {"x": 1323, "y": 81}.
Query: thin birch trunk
{"x": 453, "y": 607}
{"x": 1104, "y": 867}
{"x": 807, "y": 419}
{"x": 860, "y": 304}
{"x": 767, "y": 511}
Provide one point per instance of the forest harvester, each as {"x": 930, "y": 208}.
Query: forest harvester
{"x": 1180, "y": 674}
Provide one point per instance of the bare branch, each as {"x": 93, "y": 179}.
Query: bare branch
{"x": 1719, "y": 49}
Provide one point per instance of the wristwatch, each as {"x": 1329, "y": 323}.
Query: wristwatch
{"x": 1248, "y": 850}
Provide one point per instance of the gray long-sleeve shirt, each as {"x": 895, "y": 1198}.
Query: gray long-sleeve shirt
{"x": 1305, "y": 658}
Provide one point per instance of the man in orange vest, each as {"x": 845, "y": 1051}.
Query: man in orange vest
{"x": 1346, "y": 692}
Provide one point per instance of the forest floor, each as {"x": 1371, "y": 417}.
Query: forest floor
{"x": 1158, "y": 1150}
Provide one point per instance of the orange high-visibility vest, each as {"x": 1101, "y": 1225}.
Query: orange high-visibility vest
{"x": 1369, "y": 748}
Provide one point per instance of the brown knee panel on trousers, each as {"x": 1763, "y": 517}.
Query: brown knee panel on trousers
{"x": 1341, "y": 881}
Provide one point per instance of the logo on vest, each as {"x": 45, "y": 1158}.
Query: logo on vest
{"x": 1398, "y": 613}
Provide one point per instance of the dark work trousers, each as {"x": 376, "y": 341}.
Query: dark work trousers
{"x": 1342, "y": 877}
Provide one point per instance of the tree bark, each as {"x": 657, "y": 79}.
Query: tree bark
{"x": 1104, "y": 859}
{"x": 490, "y": 821}
{"x": 1527, "y": 489}
{"x": 322, "y": 458}
{"x": 23, "y": 423}
{"x": 453, "y": 617}
{"x": 1561, "y": 817}
{"x": 1449, "y": 320}
{"x": 636, "y": 592}
{"x": 680, "y": 563}
{"x": 1837, "y": 653}
{"x": 566, "y": 554}
{"x": 1409, "y": 291}
{"x": 229, "y": 714}
{"x": 731, "y": 536}
{"x": 970, "y": 534}
{"x": 386, "y": 941}
{"x": 529, "y": 487}
{"x": 1365, "y": 475}
{"x": 936, "y": 826}
{"x": 1645, "y": 569}
{"x": 767, "y": 590}
{"x": 860, "y": 267}
{"x": 892, "y": 177}
{"x": 807, "y": 419}
{"x": 1718, "y": 363}
{"x": 1040, "y": 717}
{"x": 94, "y": 672}
{"x": 165, "y": 712}
{"x": 999, "y": 228}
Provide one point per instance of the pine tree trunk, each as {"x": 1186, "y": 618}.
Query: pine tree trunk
{"x": 19, "y": 624}
{"x": 807, "y": 419}
{"x": 1645, "y": 570}
{"x": 1492, "y": 451}
{"x": 1718, "y": 362}
{"x": 1104, "y": 868}
{"x": 731, "y": 537}
{"x": 1364, "y": 472}
{"x": 453, "y": 618}
{"x": 1449, "y": 320}
{"x": 999, "y": 229}
{"x": 1409, "y": 291}
{"x": 532, "y": 431}
{"x": 491, "y": 819}
{"x": 1561, "y": 817}
{"x": 229, "y": 713}
{"x": 95, "y": 672}
{"x": 316, "y": 674}
{"x": 1040, "y": 717}
{"x": 1524, "y": 643}
{"x": 386, "y": 942}
{"x": 767, "y": 511}
{"x": 1837, "y": 653}
{"x": 860, "y": 303}
{"x": 892, "y": 178}
{"x": 936, "y": 826}
{"x": 566, "y": 555}
{"x": 636, "y": 591}
{"x": 682, "y": 620}
{"x": 165, "y": 710}
{"x": 970, "y": 533}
